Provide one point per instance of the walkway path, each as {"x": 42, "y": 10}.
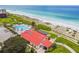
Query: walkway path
{"x": 69, "y": 48}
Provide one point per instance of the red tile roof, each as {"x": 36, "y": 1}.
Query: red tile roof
{"x": 33, "y": 36}
{"x": 47, "y": 43}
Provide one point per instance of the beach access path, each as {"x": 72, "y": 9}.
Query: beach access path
{"x": 67, "y": 47}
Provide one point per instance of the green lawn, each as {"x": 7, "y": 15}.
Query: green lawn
{"x": 10, "y": 20}
{"x": 43, "y": 27}
{"x": 58, "y": 49}
{"x": 69, "y": 43}
{"x": 6, "y": 20}
{"x": 53, "y": 35}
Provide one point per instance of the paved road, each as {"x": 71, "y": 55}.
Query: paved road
{"x": 69, "y": 48}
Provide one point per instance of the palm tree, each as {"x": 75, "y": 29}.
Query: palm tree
{"x": 34, "y": 27}
{"x": 33, "y": 23}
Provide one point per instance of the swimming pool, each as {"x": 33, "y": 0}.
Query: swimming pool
{"x": 21, "y": 28}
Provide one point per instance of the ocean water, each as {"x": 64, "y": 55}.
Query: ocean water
{"x": 62, "y": 14}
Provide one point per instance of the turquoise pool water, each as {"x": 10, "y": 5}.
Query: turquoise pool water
{"x": 22, "y": 27}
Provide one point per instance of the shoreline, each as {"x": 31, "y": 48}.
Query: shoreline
{"x": 44, "y": 19}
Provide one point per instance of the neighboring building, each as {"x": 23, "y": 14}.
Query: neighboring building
{"x": 37, "y": 39}
{"x": 5, "y": 34}
{"x": 3, "y": 13}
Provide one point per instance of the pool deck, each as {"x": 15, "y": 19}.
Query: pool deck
{"x": 21, "y": 28}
